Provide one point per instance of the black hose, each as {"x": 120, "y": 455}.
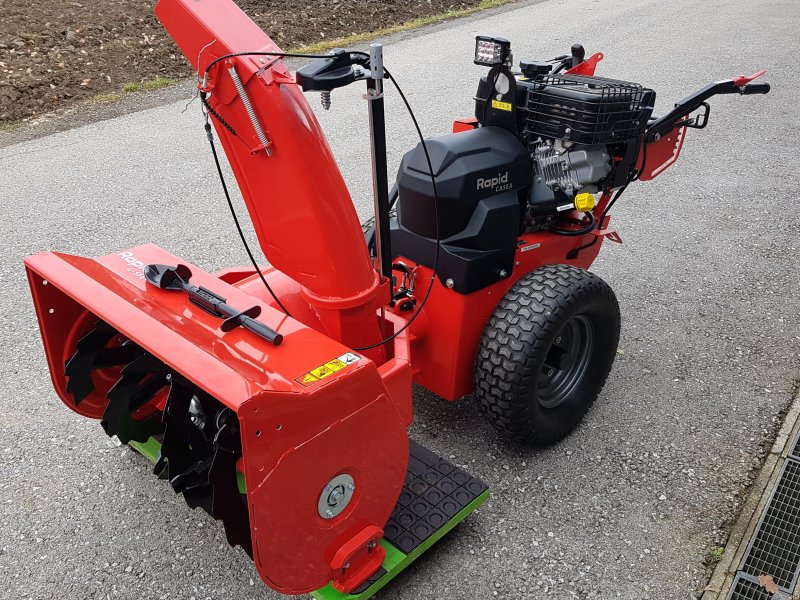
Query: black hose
{"x": 576, "y": 232}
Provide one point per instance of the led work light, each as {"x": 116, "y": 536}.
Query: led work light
{"x": 491, "y": 51}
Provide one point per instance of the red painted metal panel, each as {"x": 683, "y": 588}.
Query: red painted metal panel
{"x": 444, "y": 362}
{"x": 294, "y": 437}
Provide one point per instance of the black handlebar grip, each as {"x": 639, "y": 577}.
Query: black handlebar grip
{"x": 755, "y": 88}
{"x": 578, "y": 54}
{"x": 262, "y": 330}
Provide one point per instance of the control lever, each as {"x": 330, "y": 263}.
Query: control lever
{"x": 326, "y": 74}
{"x": 578, "y": 54}
{"x": 177, "y": 278}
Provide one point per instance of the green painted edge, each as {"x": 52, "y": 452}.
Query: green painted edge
{"x": 394, "y": 563}
{"x": 151, "y": 449}
{"x": 394, "y": 566}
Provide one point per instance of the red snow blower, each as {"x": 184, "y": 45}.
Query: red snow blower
{"x": 278, "y": 398}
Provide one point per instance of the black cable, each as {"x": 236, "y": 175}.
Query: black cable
{"x": 613, "y": 200}
{"x": 210, "y": 136}
{"x": 576, "y": 232}
{"x": 216, "y": 115}
{"x": 635, "y": 176}
{"x": 639, "y": 173}
{"x": 436, "y": 211}
{"x": 489, "y": 96}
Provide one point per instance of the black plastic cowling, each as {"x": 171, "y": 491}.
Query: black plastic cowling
{"x": 326, "y": 74}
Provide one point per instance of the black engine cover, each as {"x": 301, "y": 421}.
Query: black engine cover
{"x": 480, "y": 175}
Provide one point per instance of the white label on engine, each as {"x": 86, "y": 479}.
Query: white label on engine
{"x": 564, "y": 207}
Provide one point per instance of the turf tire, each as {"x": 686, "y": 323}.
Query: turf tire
{"x": 511, "y": 372}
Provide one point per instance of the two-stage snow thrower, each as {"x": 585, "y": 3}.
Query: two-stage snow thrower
{"x": 278, "y": 398}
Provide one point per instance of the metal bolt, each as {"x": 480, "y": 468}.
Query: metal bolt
{"x": 346, "y": 565}
{"x": 335, "y": 497}
{"x": 325, "y": 97}
{"x": 550, "y": 372}
{"x": 517, "y": 263}
{"x": 169, "y": 377}
{"x": 449, "y": 283}
{"x": 558, "y": 340}
{"x": 503, "y": 273}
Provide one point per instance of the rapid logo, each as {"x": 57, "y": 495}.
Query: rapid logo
{"x": 497, "y": 184}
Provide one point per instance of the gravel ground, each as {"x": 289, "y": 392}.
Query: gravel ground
{"x": 626, "y": 507}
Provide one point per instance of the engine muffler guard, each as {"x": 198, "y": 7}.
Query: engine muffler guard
{"x": 242, "y": 428}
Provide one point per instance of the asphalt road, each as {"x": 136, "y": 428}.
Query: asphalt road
{"x": 626, "y": 507}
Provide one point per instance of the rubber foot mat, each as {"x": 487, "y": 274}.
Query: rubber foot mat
{"x": 436, "y": 496}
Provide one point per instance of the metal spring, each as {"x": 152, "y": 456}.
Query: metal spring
{"x": 248, "y": 106}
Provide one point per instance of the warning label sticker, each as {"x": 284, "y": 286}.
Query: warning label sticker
{"x": 328, "y": 369}
{"x": 497, "y": 104}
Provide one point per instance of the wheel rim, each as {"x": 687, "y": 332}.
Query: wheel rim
{"x": 566, "y": 362}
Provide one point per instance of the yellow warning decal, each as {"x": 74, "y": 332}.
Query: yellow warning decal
{"x": 328, "y": 369}
{"x": 501, "y": 105}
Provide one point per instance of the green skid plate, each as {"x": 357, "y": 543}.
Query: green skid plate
{"x": 436, "y": 496}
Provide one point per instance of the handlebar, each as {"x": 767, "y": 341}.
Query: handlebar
{"x": 754, "y": 88}
{"x": 677, "y": 117}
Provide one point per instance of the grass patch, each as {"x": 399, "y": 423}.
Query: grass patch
{"x": 714, "y": 555}
{"x": 153, "y": 84}
{"x": 108, "y": 98}
{"x": 9, "y": 126}
{"x": 359, "y": 38}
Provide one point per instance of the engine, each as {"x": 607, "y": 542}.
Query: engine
{"x": 541, "y": 140}
{"x": 584, "y": 133}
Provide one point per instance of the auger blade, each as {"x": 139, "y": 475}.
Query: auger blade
{"x": 200, "y": 458}
{"x": 117, "y": 355}
{"x": 140, "y": 381}
{"x": 183, "y": 444}
{"x": 185, "y": 450}
{"x": 228, "y": 505}
{"x": 79, "y": 367}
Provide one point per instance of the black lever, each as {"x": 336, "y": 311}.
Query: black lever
{"x": 177, "y": 278}
{"x": 326, "y": 74}
{"x": 578, "y": 54}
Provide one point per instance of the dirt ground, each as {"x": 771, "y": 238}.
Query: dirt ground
{"x": 53, "y": 54}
